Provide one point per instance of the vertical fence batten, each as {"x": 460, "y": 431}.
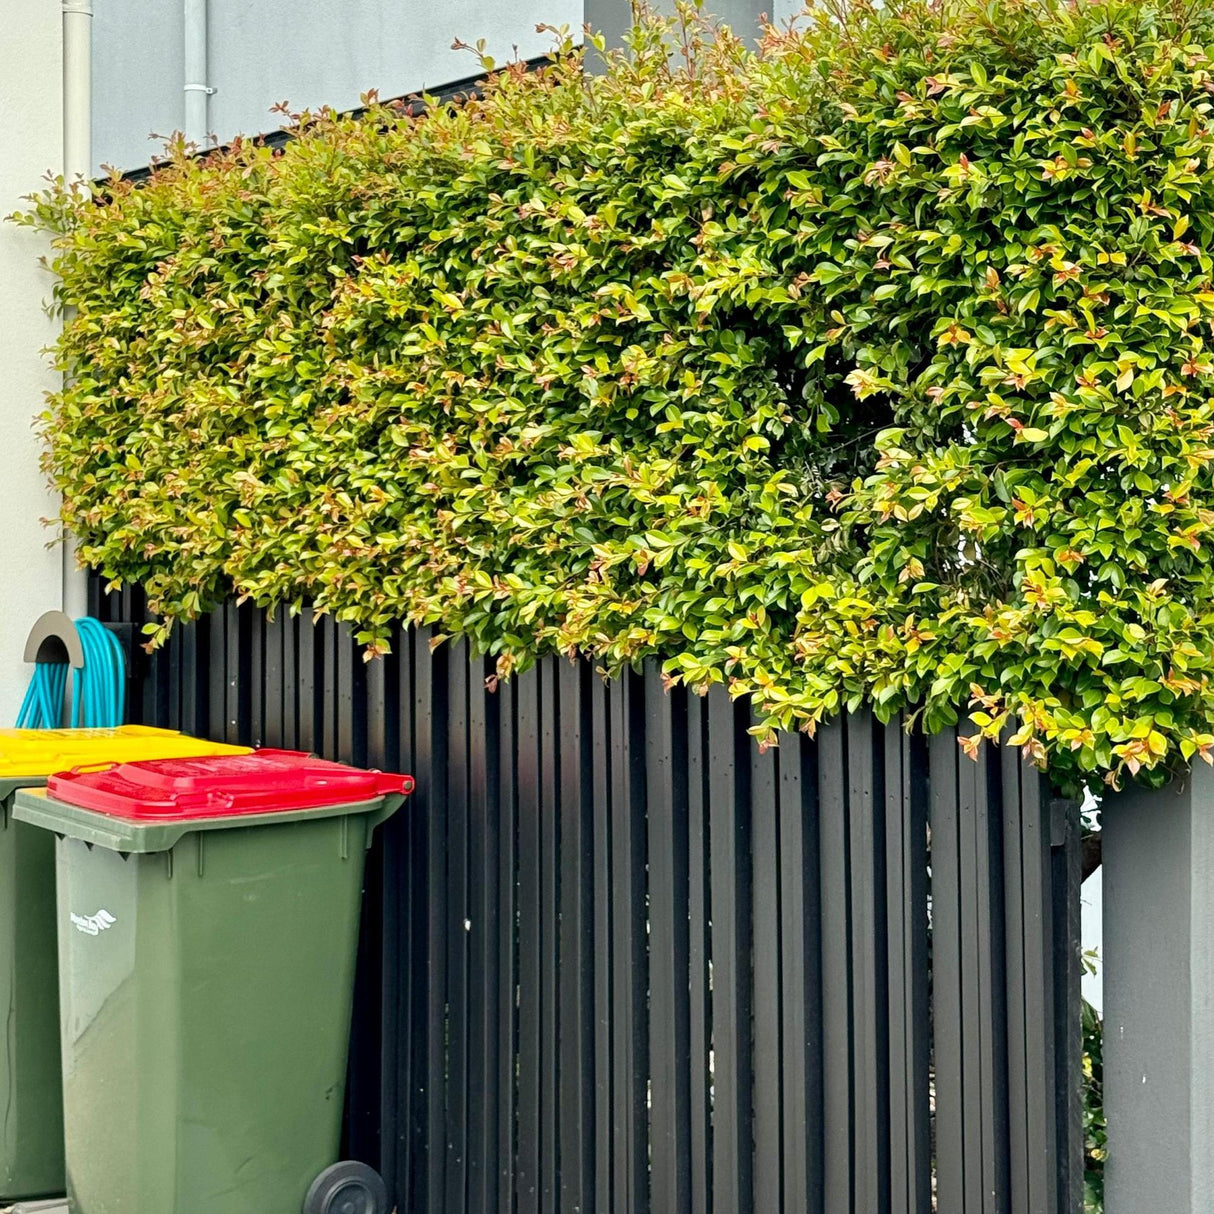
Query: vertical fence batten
{"x": 530, "y": 943}
{"x": 457, "y": 928}
{"x": 946, "y": 978}
{"x": 669, "y": 992}
{"x": 836, "y": 1007}
{"x": 909, "y": 1036}
{"x": 617, "y": 959}
{"x": 866, "y": 814}
{"x": 766, "y": 1104}
{"x": 729, "y": 867}
{"x": 801, "y": 984}
{"x": 699, "y": 954}
{"x": 507, "y": 942}
{"x": 576, "y": 1015}
{"x": 550, "y": 960}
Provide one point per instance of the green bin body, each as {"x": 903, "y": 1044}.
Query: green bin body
{"x": 31, "y": 1147}
{"x": 206, "y": 976}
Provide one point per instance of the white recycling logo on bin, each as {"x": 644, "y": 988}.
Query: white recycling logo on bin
{"x": 93, "y": 925}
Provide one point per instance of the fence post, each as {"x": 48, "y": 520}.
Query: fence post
{"x": 1159, "y": 997}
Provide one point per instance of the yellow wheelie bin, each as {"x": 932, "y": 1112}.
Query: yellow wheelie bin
{"x": 31, "y": 1088}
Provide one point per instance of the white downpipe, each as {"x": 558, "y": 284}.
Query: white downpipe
{"x": 77, "y": 166}
{"x": 197, "y": 90}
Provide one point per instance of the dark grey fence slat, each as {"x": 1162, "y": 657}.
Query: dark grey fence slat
{"x": 507, "y": 946}
{"x": 669, "y": 1006}
{"x": 483, "y": 896}
{"x": 766, "y": 970}
{"x": 604, "y": 1158}
{"x": 291, "y": 682}
{"x": 174, "y": 706}
{"x": 195, "y": 664}
{"x": 729, "y": 870}
{"x": 274, "y": 698}
{"x": 629, "y": 948}
{"x": 216, "y": 676}
{"x": 308, "y": 632}
{"x": 946, "y": 978}
{"x": 550, "y": 818}
{"x": 367, "y": 1118}
{"x": 983, "y": 1024}
{"x": 870, "y": 1006}
{"x": 837, "y": 1106}
{"x": 183, "y": 678}
{"x": 699, "y": 952}
{"x": 349, "y": 685}
{"x": 482, "y": 902}
{"x": 330, "y": 692}
{"x": 156, "y": 702}
{"x": 211, "y": 724}
{"x": 1025, "y": 865}
{"x": 968, "y": 785}
{"x": 256, "y": 679}
{"x": 392, "y": 859}
{"x": 909, "y": 1036}
{"x": 990, "y": 1017}
{"x": 458, "y": 925}
{"x": 376, "y": 710}
{"x": 576, "y": 941}
{"x": 408, "y": 1007}
{"x": 530, "y": 943}
{"x": 430, "y": 706}
{"x": 241, "y": 675}
{"x": 801, "y": 976}
{"x": 616, "y": 959}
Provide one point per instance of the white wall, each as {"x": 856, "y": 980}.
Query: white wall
{"x": 31, "y": 143}
{"x": 307, "y": 52}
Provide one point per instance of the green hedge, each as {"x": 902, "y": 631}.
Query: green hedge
{"x": 874, "y": 366}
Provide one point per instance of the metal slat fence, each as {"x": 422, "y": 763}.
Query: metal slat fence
{"x": 616, "y": 959}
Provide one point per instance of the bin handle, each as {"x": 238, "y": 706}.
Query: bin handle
{"x": 386, "y": 782}
{"x": 400, "y": 785}
{"x": 392, "y": 802}
{"x": 83, "y": 769}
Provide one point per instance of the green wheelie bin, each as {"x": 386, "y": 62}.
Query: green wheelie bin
{"x": 208, "y": 914}
{"x": 31, "y": 1134}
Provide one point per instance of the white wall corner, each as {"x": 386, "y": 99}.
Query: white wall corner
{"x": 31, "y": 144}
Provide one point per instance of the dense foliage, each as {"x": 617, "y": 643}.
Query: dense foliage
{"x": 871, "y": 366}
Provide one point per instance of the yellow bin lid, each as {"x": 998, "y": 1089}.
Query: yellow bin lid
{"x": 25, "y": 753}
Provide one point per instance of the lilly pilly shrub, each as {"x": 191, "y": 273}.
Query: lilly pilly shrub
{"x": 871, "y": 366}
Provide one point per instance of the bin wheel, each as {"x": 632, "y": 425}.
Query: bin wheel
{"x": 347, "y": 1188}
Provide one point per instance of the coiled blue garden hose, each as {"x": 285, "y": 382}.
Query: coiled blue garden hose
{"x": 98, "y": 691}
{"x": 42, "y": 707}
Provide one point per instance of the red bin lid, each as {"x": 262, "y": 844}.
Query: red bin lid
{"x": 212, "y": 786}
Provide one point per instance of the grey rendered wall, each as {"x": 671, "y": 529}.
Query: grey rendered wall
{"x": 613, "y": 17}
{"x": 307, "y": 52}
